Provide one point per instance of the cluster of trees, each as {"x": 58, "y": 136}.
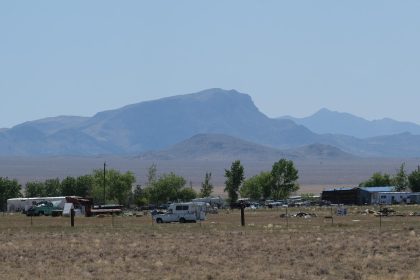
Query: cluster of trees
{"x": 277, "y": 184}
{"x": 110, "y": 186}
{"x": 8, "y": 189}
{"x": 401, "y": 180}
{"x": 167, "y": 187}
{"x": 118, "y": 187}
{"x": 114, "y": 186}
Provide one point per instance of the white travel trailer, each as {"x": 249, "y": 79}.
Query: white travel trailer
{"x": 414, "y": 198}
{"x": 23, "y": 204}
{"x": 183, "y": 213}
{"x": 390, "y": 197}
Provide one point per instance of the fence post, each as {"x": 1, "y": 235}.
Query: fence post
{"x": 380, "y": 216}
{"x": 242, "y": 214}
{"x": 332, "y": 217}
{"x": 72, "y": 217}
{"x": 287, "y": 217}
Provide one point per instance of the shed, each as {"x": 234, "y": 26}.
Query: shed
{"x": 342, "y": 196}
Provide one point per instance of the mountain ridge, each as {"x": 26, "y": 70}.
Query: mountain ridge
{"x": 223, "y": 147}
{"x": 326, "y": 121}
{"x": 158, "y": 124}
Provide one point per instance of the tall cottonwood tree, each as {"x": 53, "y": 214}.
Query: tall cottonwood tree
{"x": 414, "y": 179}
{"x": 257, "y": 187}
{"x": 8, "y": 189}
{"x": 168, "y": 188}
{"x": 234, "y": 178}
{"x": 284, "y": 179}
{"x": 400, "y": 179}
{"x": 206, "y": 186}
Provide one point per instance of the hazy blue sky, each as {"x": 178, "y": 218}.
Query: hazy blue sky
{"x": 292, "y": 57}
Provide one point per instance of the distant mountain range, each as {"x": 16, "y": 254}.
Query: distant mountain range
{"x": 330, "y": 122}
{"x": 211, "y": 123}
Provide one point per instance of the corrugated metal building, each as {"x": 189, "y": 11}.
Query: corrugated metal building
{"x": 353, "y": 196}
{"x": 343, "y": 196}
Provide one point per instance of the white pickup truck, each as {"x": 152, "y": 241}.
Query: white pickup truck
{"x": 183, "y": 213}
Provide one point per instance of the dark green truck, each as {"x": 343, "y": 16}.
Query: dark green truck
{"x": 44, "y": 208}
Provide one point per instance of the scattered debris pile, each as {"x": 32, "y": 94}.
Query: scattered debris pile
{"x": 300, "y": 215}
{"x": 385, "y": 212}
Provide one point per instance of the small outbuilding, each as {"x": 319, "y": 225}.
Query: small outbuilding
{"x": 349, "y": 196}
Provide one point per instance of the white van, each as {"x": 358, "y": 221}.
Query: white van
{"x": 183, "y": 213}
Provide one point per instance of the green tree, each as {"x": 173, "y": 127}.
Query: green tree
{"x": 400, "y": 179}
{"x": 100, "y": 187}
{"x": 414, "y": 180}
{"x": 257, "y": 187}
{"x": 151, "y": 174}
{"x": 186, "y": 194}
{"x": 52, "y": 187}
{"x": 265, "y": 181}
{"x": 84, "y": 185}
{"x": 234, "y": 178}
{"x": 166, "y": 188}
{"x": 68, "y": 186}
{"x": 120, "y": 186}
{"x": 206, "y": 186}
{"x": 284, "y": 179}
{"x": 251, "y": 189}
{"x": 377, "y": 180}
{"x": 140, "y": 196}
{"x": 8, "y": 189}
{"x": 35, "y": 189}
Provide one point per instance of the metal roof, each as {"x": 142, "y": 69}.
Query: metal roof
{"x": 340, "y": 189}
{"x": 379, "y": 189}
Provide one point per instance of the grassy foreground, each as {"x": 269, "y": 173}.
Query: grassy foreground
{"x": 269, "y": 247}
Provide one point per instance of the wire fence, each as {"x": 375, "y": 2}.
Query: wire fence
{"x": 277, "y": 219}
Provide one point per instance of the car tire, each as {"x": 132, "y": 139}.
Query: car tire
{"x": 159, "y": 220}
{"x": 182, "y": 220}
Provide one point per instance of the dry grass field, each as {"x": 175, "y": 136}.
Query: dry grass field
{"x": 269, "y": 247}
